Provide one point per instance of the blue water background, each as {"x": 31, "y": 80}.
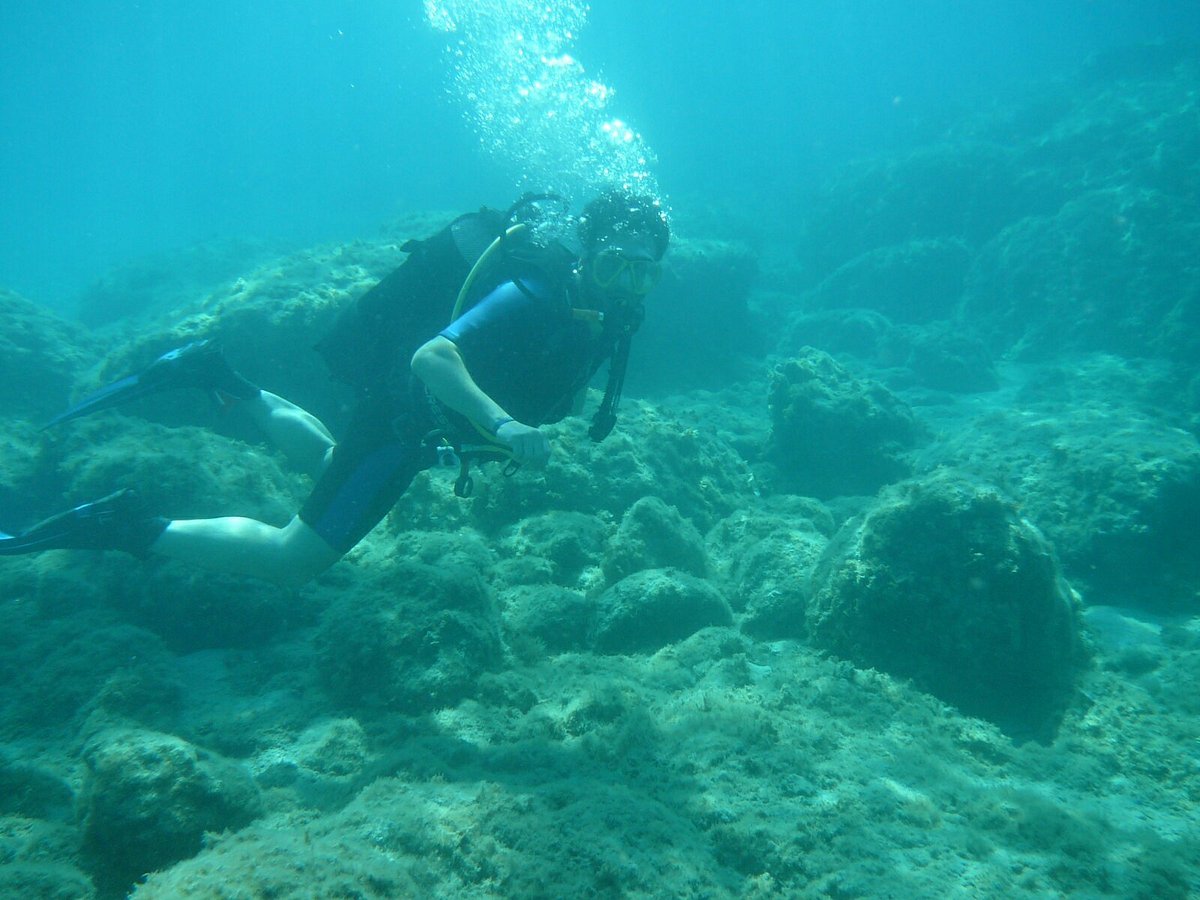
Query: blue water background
{"x": 132, "y": 128}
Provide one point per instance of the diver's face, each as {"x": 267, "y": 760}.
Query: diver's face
{"x": 622, "y": 271}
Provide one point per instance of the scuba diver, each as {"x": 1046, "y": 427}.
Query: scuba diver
{"x": 531, "y": 326}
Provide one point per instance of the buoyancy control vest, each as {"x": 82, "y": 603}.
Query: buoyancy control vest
{"x": 373, "y": 340}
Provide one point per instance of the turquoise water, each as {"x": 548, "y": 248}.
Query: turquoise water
{"x": 132, "y": 128}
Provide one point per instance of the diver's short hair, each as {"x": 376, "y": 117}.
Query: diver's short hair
{"x": 619, "y": 211}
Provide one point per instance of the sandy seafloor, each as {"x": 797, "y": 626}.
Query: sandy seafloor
{"x": 704, "y": 658}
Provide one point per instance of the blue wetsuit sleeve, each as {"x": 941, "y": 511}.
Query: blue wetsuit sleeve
{"x": 502, "y": 322}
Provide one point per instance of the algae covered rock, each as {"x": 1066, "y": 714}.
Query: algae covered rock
{"x": 943, "y": 583}
{"x": 832, "y": 433}
{"x": 39, "y": 860}
{"x": 653, "y": 535}
{"x": 765, "y": 557}
{"x": 711, "y": 280}
{"x": 912, "y": 282}
{"x": 324, "y": 765}
{"x": 559, "y": 546}
{"x": 1111, "y": 271}
{"x": 40, "y": 356}
{"x": 1111, "y": 485}
{"x": 556, "y": 618}
{"x": 655, "y": 451}
{"x": 148, "y": 799}
{"x": 417, "y": 638}
{"x": 656, "y": 607}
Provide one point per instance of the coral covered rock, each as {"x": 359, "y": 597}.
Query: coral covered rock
{"x": 942, "y": 582}
{"x": 832, "y": 433}
{"x": 656, "y": 607}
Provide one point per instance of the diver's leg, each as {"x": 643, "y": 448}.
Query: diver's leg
{"x": 287, "y": 556}
{"x": 366, "y": 475}
{"x": 202, "y": 365}
{"x": 301, "y": 436}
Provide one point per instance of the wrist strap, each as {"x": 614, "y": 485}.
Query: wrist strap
{"x": 499, "y": 423}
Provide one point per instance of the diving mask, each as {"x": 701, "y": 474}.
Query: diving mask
{"x": 615, "y": 269}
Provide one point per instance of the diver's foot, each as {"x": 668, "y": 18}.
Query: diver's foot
{"x": 115, "y": 522}
{"x": 200, "y": 364}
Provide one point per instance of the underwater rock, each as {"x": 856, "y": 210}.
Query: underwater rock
{"x": 833, "y": 434}
{"x": 1131, "y": 528}
{"x": 323, "y": 765}
{"x": 41, "y": 355}
{"x": 182, "y": 472}
{"x": 268, "y": 319}
{"x": 75, "y": 663}
{"x": 653, "y": 535}
{"x": 1087, "y": 454}
{"x": 917, "y": 281}
{"x": 149, "y": 798}
{"x": 697, "y": 320}
{"x": 965, "y": 190}
{"x": 944, "y": 583}
{"x": 39, "y": 860}
{"x": 765, "y": 557}
{"x": 556, "y": 618}
{"x": 945, "y": 356}
{"x": 862, "y": 333}
{"x": 1112, "y": 271}
{"x": 416, "y": 638}
{"x": 568, "y": 543}
{"x": 170, "y": 279}
{"x": 27, "y": 789}
{"x": 655, "y": 451}
{"x": 656, "y": 607}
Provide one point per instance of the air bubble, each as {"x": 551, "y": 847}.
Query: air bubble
{"x": 529, "y": 100}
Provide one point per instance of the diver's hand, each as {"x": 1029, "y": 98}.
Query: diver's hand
{"x": 528, "y": 445}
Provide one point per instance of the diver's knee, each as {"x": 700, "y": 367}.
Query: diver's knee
{"x": 304, "y": 554}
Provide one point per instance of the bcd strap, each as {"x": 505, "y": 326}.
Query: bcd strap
{"x": 605, "y": 418}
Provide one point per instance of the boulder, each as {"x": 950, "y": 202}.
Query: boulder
{"x": 40, "y": 357}
{"x": 764, "y": 557}
{"x": 415, "y": 637}
{"x": 656, "y": 607}
{"x": 917, "y": 281}
{"x": 653, "y": 535}
{"x": 832, "y": 433}
{"x": 942, "y": 582}
{"x": 148, "y": 799}
{"x": 555, "y": 619}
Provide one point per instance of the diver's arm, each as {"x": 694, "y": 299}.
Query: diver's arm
{"x": 440, "y": 366}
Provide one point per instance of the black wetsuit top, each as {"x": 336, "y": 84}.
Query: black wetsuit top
{"x": 527, "y": 351}
{"x": 523, "y": 346}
